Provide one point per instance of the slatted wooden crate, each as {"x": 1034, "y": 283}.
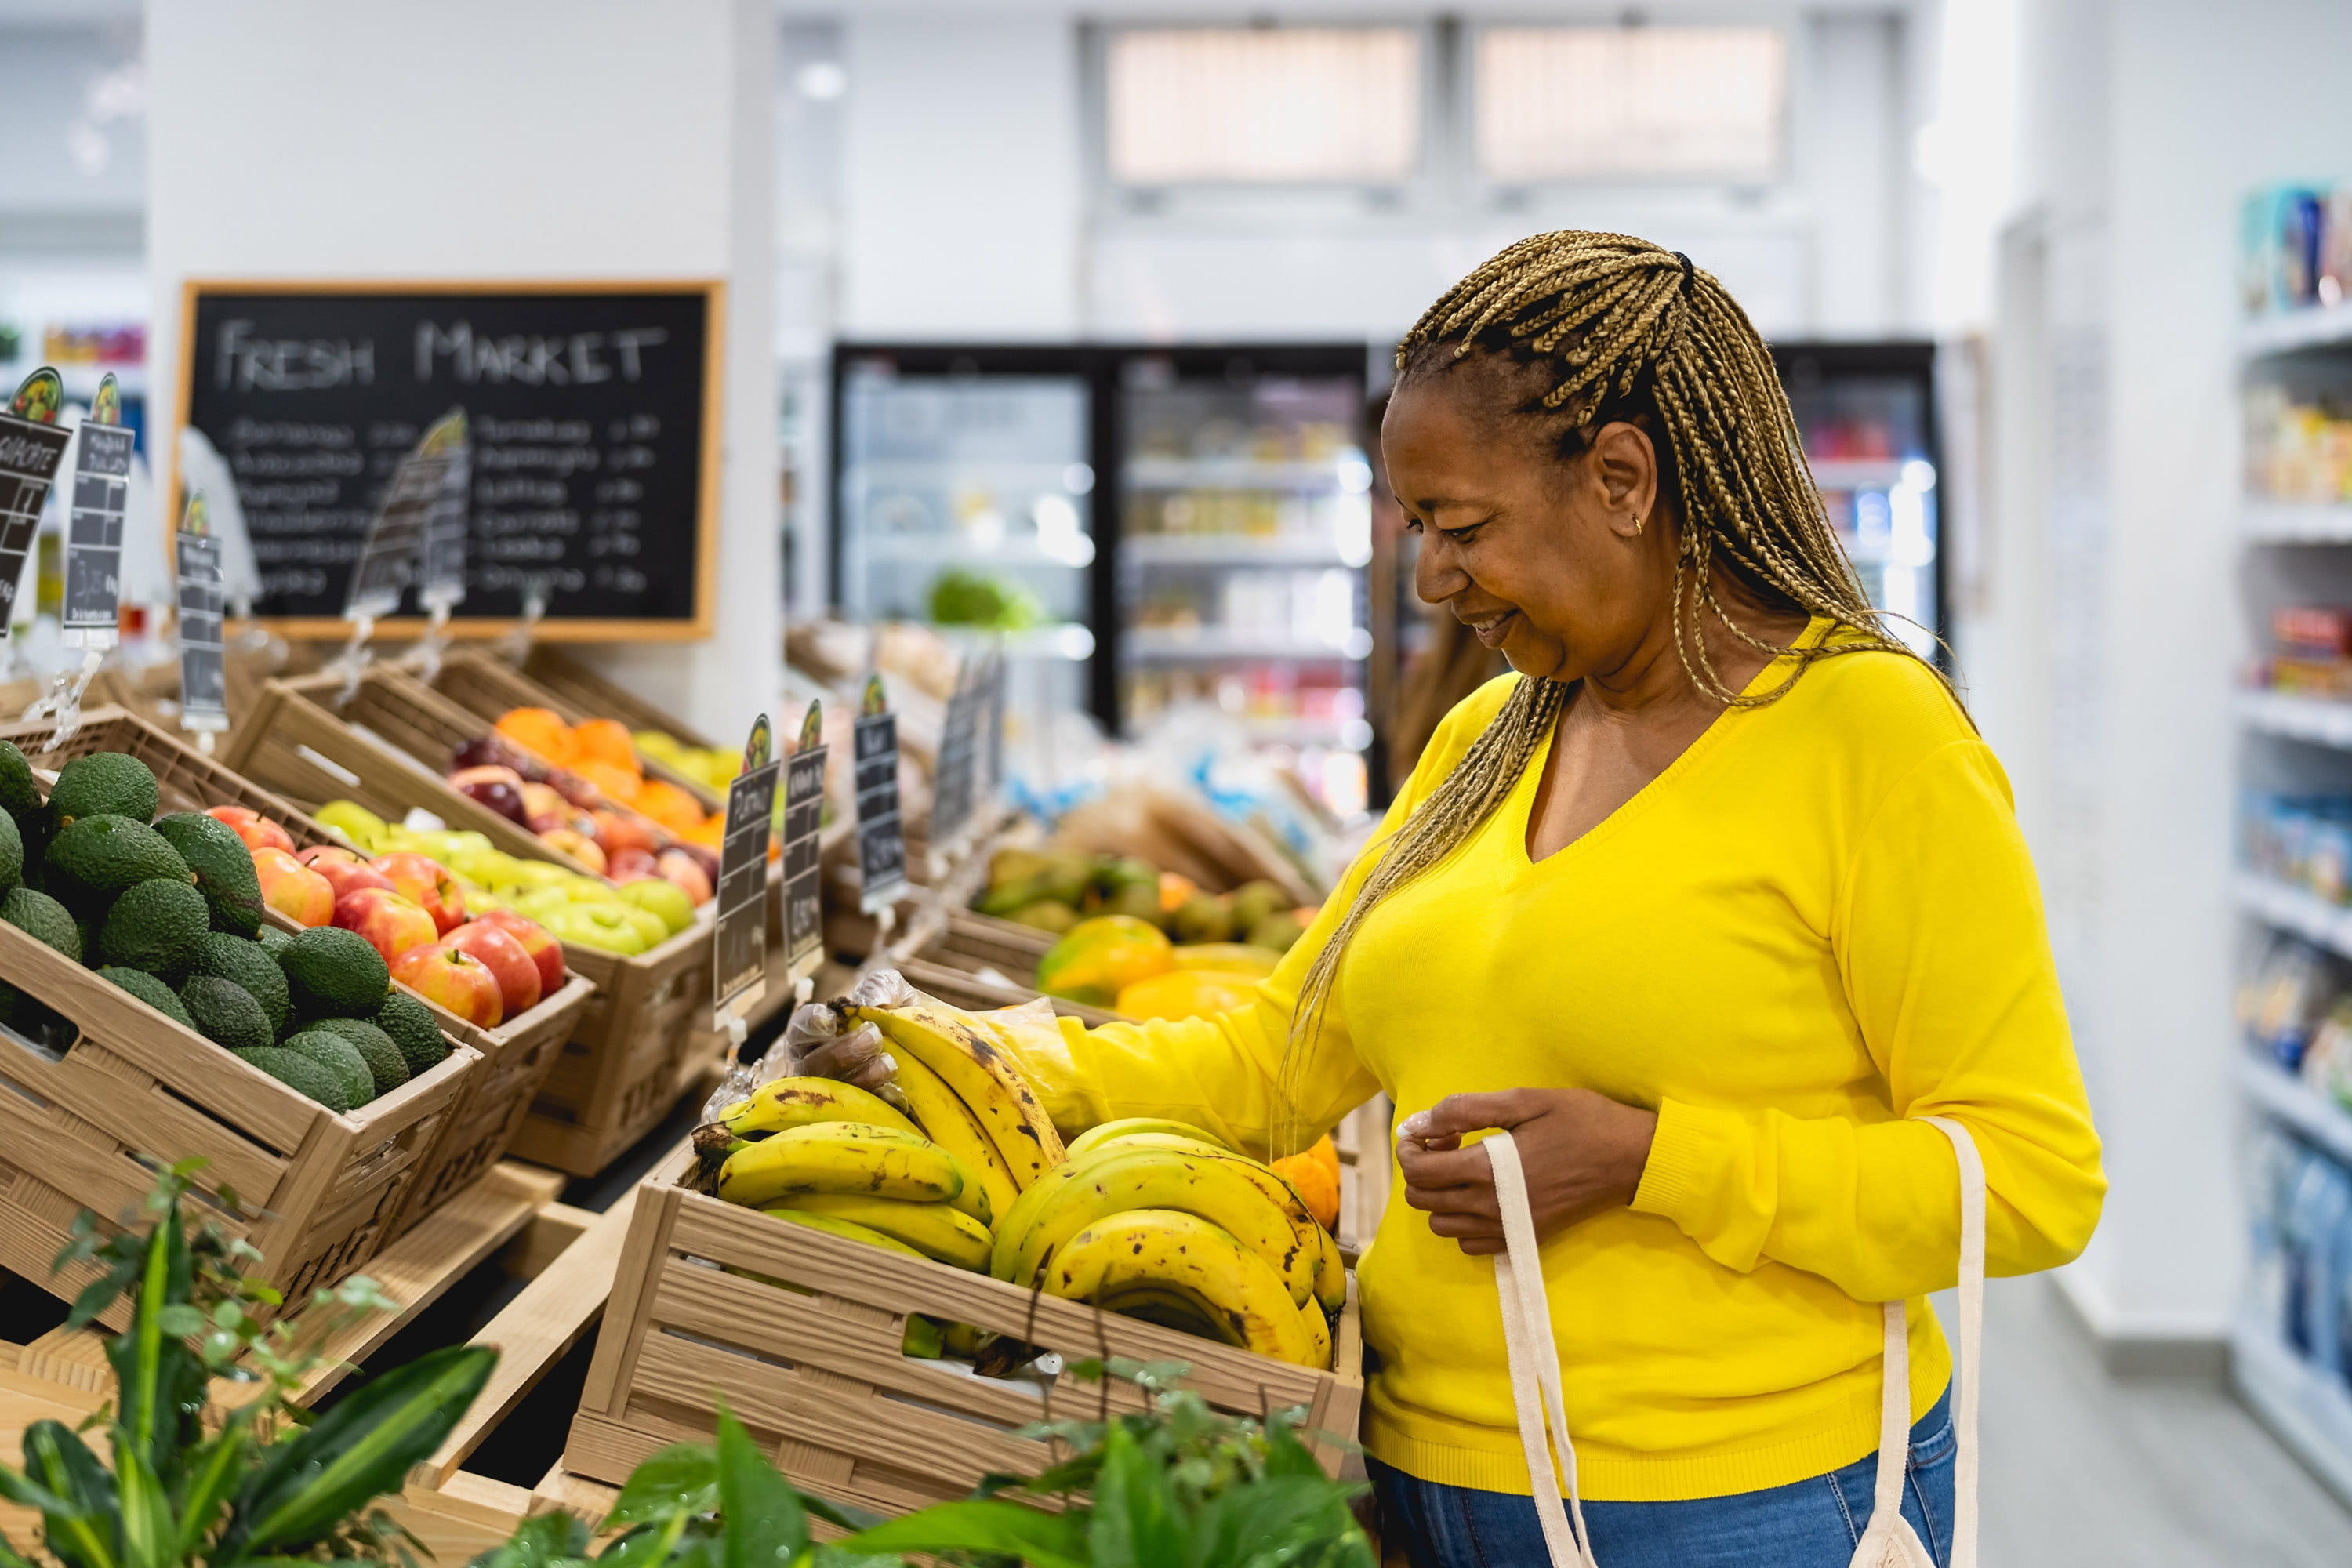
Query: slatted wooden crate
{"x": 646, "y": 1034}
{"x": 517, "y": 1055}
{"x": 487, "y": 685}
{"x": 814, "y": 1369}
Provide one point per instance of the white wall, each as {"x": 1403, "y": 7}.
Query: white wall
{"x": 527, "y": 138}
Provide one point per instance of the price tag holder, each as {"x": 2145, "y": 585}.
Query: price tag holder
{"x": 395, "y": 538}
{"x": 441, "y": 579}
{"x": 739, "y": 944}
{"x": 954, "y": 783}
{"x": 204, "y": 681}
{"x": 32, "y": 446}
{"x": 803, "y": 823}
{"x": 992, "y": 730}
{"x": 881, "y": 836}
{"x": 102, "y": 485}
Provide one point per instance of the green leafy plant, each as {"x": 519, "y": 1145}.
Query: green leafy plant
{"x": 268, "y": 1485}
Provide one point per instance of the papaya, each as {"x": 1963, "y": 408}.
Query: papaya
{"x": 1186, "y": 994}
{"x": 1097, "y": 959}
{"x": 1230, "y": 957}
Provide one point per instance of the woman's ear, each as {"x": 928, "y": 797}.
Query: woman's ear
{"x": 1626, "y": 467}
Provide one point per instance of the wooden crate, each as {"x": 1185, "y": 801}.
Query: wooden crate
{"x": 646, "y": 1033}
{"x": 517, "y": 1055}
{"x": 814, "y": 1369}
{"x": 136, "y": 1091}
{"x": 487, "y": 686}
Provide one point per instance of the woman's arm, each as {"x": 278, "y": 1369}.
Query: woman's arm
{"x": 1941, "y": 946}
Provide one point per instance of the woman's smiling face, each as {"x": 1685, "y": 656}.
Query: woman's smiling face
{"x": 1564, "y": 566}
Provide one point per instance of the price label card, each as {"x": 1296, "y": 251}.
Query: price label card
{"x": 31, "y": 447}
{"x": 204, "y": 682}
{"x": 952, "y": 788}
{"x": 101, "y": 483}
{"x": 803, "y": 822}
{"x": 397, "y": 537}
{"x": 740, "y": 942}
{"x": 992, "y": 735}
{"x": 881, "y": 836}
{"x": 441, "y": 581}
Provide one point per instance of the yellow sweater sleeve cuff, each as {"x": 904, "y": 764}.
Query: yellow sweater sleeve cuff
{"x": 1684, "y": 1180}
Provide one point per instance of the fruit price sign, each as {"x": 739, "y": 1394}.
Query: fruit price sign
{"x": 203, "y": 685}
{"x": 881, "y": 837}
{"x": 397, "y": 536}
{"x": 803, "y": 821}
{"x": 94, "y": 534}
{"x": 441, "y": 579}
{"x": 951, "y": 795}
{"x": 31, "y": 446}
{"x": 740, "y": 943}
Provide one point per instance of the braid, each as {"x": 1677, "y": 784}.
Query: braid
{"x": 1623, "y": 328}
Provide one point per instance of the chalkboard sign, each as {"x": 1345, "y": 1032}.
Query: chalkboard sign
{"x": 804, "y": 849}
{"x": 881, "y": 836}
{"x": 591, "y": 410}
{"x": 204, "y": 680}
{"x": 30, "y": 447}
{"x": 102, "y": 485}
{"x": 740, "y": 943}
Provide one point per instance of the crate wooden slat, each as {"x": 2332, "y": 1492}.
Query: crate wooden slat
{"x": 817, "y": 1373}
{"x": 517, "y": 1054}
{"x": 487, "y": 685}
{"x": 644, "y": 1035}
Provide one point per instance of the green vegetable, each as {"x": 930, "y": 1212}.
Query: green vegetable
{"x": 152, "y": 990}
{"x": 226, "y": 1012}
{"x": 223, "y": 865}
{"x": 334, "y": 974}
{"x": 101, "y": 857}
{"x": 411, "y": 1027}
{"x": 112, "y": 782}
{"x": 157, "y": 927}
{"x": 339, "y": 1056}
{"x": 247, "y": 963}
{"x": 961, "y": 598}
{"x": 385, "y": 1063}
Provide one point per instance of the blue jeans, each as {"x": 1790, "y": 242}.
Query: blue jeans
{"x": 1806, "y": 1524}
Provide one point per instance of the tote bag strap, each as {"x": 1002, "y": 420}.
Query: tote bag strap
{"x": 1534, "y": 1363}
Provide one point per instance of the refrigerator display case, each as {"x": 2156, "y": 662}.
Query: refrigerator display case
{"x": 1163, "y": 535}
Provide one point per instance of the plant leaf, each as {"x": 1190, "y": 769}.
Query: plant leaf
{"x": 1278, "y": 1520}
{"x": 214, "y": 1472}
{"x": 542, "y": 1540}
{"x": 356, "y": 1452}
{"x": 680, "y": 1478}
{"x": 161, "y": 1381}
{"x": 766, "y": 1526}
{"x": 149, "y": 1534}
{"x": 1043, "y": 1540}
{"x": 1285, "y": 1454}
{"x": 81, "y": 1533}
{"x": 1135, "y": 1523}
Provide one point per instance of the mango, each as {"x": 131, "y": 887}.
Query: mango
{"x": 1097, "y": 959}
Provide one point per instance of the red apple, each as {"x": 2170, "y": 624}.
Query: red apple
{"x": 578, "y": 846}
{"x": 686, "y": 869}
{"x": 391, "y": 923}
{"x": 544, "y": 950}
{"x": 626, "y": 865}
{"x": 617, "y": 830}
{"x": 508, "y": 962}
{"x": 346, "y": 870}
{"x": 543, "y": 808}
{"x": 293, "y": 890}
{"x": 257, "y": 831}
{"x": 499, "y": 789}
{"x": 427, "y": 883}
{"x": 457, "y": 981}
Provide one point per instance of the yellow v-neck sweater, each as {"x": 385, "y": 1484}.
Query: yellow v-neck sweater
{"x": 1817, "y": 925}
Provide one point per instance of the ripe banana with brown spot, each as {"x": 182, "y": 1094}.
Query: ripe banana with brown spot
{"x": 834, "y": 1226}
{"x": 1095, "y": 1137}
{"x": 949, "y": 1123}
{"x": 840, "y": 1157}
{"x": 1165, "y": 1251}
{"x": 1318, "y": 1335}
{"x": 1332, "y": 1271}
{"x": 796, "y": 1102}
{"x": 971, "y": 1061}
{"x": 934, "y": 1230}
{"x": 1216, "y": 1188}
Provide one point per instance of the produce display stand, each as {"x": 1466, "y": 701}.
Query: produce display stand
{"x": 487, "y": 685}
{"x": 517, "y": 1055}
{"x": 646, "y": 1034}
{"x": 814, "y": 1369}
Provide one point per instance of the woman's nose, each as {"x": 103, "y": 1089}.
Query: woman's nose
{"x": 1435, "y": 578}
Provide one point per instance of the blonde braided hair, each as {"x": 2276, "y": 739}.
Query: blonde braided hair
{"x": 1624, "y": 329}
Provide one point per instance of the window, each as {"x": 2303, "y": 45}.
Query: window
{"x": 1565, "y": 103}
{"x": 1262, "y": 105}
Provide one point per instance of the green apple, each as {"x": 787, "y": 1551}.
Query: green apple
{"x": 591, "y": 925}
{"x": 355, "y": 822}
{"x": 541, "y": 874}
{"x": 540, "y": 902}
{"x": 468, "y": 843}
{"x": 591, "y": 891}
{"x": 484, "y": 867}
{"x": 663, "y": 897}
{"x": 480, "y": 900}
{"x": 651, "y": 927}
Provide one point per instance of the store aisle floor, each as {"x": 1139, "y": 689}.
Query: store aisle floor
{"x": 2083, "y": 1467}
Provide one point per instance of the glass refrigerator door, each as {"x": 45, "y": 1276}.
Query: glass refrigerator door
{"x": 966, "y": 504}
{"x": 1246, "y": 527}
{"x": 1867, "y": 438}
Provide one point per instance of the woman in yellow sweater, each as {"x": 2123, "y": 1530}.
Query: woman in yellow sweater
{"x": 1710, "y": 902}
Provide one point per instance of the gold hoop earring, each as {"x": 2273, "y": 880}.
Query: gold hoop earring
{"x": 1639, "y": 524}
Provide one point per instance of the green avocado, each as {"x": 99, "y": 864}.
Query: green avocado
{"x": 19, "y": 797}
{"x": 342, "y": 1059}
{"x": 12, "y": 852}
{"x": 226, "y": 1012}
{"x": 45, "y": 919}
{"x": 152, "y": 990}
{"x": 247, "y": 963}
{"x": 410, "y": 1025}
{"x": 385, "y": 1063}
{"x": 304, "y": 1075}
{"x": 334, "y": 974}
{"x": 99, "y": 856}
{"x": 155, "y": 926}
{"x": 112, "y": 782}
{"x": 223, "y": 865}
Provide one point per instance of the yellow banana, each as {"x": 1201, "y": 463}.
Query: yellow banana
{"x": 839, "y": 1157}
{"x": 834, "y": 1226}
{"x": 1213, "y": 1187}
{"x": 935, "y": 1230}
{"x": 796, "y": 1102}
{"x": 1094, "y": 1138}
{"x": 971, "y": 1060}
{"x": 1227, "y": 1283}
{"x": 1169, "y": 1309}
{"x": 1331, "y": 1272}
{"x": 1318, "y": 1335}
{"x": 963, "y": 1340}
{"x": 948, "y": 1123}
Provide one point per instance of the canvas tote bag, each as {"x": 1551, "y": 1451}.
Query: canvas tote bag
{"x": 1889, "y": 1541}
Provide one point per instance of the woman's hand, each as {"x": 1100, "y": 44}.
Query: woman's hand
{"x": 1583, "y": 1153}
{"x": 815, "y": 1046}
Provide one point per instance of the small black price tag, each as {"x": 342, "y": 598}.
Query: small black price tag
{"x": 952, "y": 788}
{"x": 31, "y": 447}
{"x": 740, "y": 942}
{"x": 803, "y": 823}
{"x": 441, "y": 583}
{"x": 992, "y": 731}
{"x": 94, "y": 529}
{"x": 388, "y": 559}
{"x": 203, "y": 683}
{"x": 881, "y": 836}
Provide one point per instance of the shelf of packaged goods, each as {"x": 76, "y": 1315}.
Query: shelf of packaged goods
{"x": 2296, "y": 522}
{"x": 2297, "y": 1104}
{"x": 1349, "y": 474}
{"x": 2321, "y": 326}
{"x": 1238, "y": 549}
{"x": 893, "y": 548}
{"x": 958, "y": 473}
{"x": 1858, "y": 473}
{"x": 2309, "y": 1409}
{"x": 1066, "y": 641}
{"x": 1180, "y": 643}
{"x": 2312, "y": 719}
{"x": 2290, "y": 909}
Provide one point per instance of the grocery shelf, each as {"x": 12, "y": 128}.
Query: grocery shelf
{"x": 2290, "y": 909}
{"x": 918, "y": 547}
{"x": 2310, "y": 1411}
{"x": 1349, "y": 473}
{"x": 1221, "y": 642}
{"x": 2296, "y": 522}
{"x": 1235, "y": 549}
{"x": 2312, "y": 719}
{"x": 2297, "y": 1104}
{"x": 2289, "y": 331}
{"x": 1857, "y": 474}
{"x": 958, "y": 471}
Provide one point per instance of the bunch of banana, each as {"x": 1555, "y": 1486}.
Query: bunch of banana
{"x": 966, "y": 1089}
{"x": 887, "y": 1186}
{"x": 1158, "y": 1220}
